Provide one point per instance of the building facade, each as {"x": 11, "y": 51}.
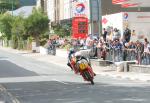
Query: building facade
{"x": 42, "y": 4}
{"x": 62, "y": 11}
{"x": 50, "y": 10}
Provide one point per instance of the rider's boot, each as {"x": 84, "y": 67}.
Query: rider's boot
{"x": 69, "y": 66}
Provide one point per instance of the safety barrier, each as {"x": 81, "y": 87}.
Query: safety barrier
{"x": 145, "y": 60}
{"x": 117, "y": 55}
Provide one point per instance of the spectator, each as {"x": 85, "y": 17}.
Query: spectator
{"x": 82, "y": 42}
{"x": 127, "y": 34}
{"x": 146, "y": 44}
{"x": 118, "y": 44}
{"x": 125, "y": 47}
{"x": 104, "y": 34}
{"x": 88, "y": 42}
{"x": 75, "y": 44}
{"x": 116, "y": 34}
{"x": 101, "y": 51}
{"x": 140, "y": 50}
{"x": 133, "y": 33}
{"x": 145, "y": 56}
{"x": 132, "y": 45}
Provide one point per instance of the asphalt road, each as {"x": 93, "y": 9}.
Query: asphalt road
{"x": 29, "y": 81}
{"x": 8, "y": 69}
{"x": 56, "y": 92}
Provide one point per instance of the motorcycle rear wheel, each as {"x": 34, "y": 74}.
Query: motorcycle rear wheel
{"x": 88, "y": 77}
{"x": 92, "y": 82}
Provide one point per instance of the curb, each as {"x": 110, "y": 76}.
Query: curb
{"x": 124, "y": 77}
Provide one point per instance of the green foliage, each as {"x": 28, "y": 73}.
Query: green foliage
{"x": 36, "y": 24}
{"x": 14, "y": 42}
{"x": 43, "y": 38}
{"x": 30, "y": 39}
{"x": 18, "y": 27}
{"x": 8, "y": 5}
{"x": 29, "y": 43}
{"x": 62, "y": 30}
{"x": 20, "y": 44}
{"x": 5, "y": 25}
{"x": 67, "y": 28}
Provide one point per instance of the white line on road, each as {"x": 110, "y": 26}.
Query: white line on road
{"x": 59, "y": 81}
{"x": 4, "y": 59}
{"x": 25, "y": 79}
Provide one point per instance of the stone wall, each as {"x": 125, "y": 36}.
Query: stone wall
{"x": 139, "y": 68}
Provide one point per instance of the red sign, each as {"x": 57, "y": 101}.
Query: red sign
{"x": 129, "y": 5}
{"x": 119, "y": 1}
{"x": 104, "y": 20}
{"x": 79, "y": 27}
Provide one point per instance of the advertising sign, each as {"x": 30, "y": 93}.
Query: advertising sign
{"x": 125, "y": 16}
{"x": 79, "y": 27}
{"x": 80, "y": 8}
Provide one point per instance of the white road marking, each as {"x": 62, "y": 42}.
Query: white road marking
{"x": 25, "y": 79}
{"x": 2, "y": 59}
{"x": 59, "y": 81}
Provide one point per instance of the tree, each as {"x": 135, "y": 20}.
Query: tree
{"x": 67, "y": 29}
{"x": 62, "y": 30}
{"x": 5, "y": 25}
{"x": 18, "y": 31}
{"x": 8, "y": 5}
{"x": 18, "y": 27}
{"x": 36, "y": 24}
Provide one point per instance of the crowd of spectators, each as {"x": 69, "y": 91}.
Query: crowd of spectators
{"x": 112, "y": 46}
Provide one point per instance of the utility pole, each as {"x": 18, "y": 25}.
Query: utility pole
{"x": 91, "y": 17}
{"x": 71, "y": 14}
{"x": 99, "y": 2}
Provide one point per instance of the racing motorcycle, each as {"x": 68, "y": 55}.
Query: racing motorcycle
{"x": 81, "y": 65}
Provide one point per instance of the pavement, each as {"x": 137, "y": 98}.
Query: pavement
{"x": 61, "y": 60}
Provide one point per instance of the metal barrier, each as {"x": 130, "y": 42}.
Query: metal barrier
{"x": 131, "y": 54}
{"x": 117, "y": 55}
{"x": 145, "y": 60}
{"x": 114, "y": 55}
{"x": 99, "y": 53}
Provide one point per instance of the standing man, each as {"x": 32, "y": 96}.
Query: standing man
{"x": 104, "y": 34}
{"x": 127, "y": 34}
